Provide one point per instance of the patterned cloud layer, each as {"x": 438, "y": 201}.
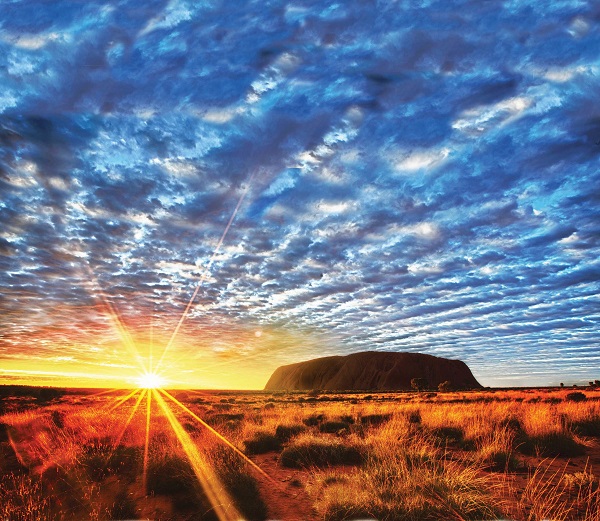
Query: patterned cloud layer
{"x": 418, "y": 176}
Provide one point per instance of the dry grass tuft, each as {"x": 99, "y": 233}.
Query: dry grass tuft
{"x": 308, "y": 450}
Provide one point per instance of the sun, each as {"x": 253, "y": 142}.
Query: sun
{"x": 150, "y": 381}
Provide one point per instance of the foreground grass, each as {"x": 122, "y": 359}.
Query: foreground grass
{"x": 406, "y": 456}
{"x": 407, "y": 480}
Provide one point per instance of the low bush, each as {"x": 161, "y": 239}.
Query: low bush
{"x": 262, "y": 442}
{"x": 414, "y": 416}
{"x": 581, "y": 480}
{"x": 576, "y": 396}
{"x": 448, "y": 435}
{"x": 286, "y": 432}
{"x": 314, "y": 419}
{"x": 586, "y": 427}
{"x": 169, "y": 475}
{"x": 390, "y": 490}
{"x": 101, "y": 459}
{"x": 318, "y": 452}
{"x": 375, "y": 419}
{"x": 224, "y": 418}
{"x": 333, "y": 427}
{"x": 551, "y": 444}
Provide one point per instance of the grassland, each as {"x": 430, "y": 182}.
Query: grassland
{"x": 522, "y": 455}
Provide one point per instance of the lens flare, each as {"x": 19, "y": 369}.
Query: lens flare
{"x": 150, "y": 381}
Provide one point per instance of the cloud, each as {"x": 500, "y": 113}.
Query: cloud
{"x": 418, "y": 178}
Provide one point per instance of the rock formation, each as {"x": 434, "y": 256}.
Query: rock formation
{"x": 372, "y": 371}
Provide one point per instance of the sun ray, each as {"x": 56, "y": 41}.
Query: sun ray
{"x": 112, "y": 313}
{"x": 128, "y": 421}
{"x": 121, "y": 401}
{"x": 105, "y": 391}
{"x": 147, "y": 439}
{"x": 204, "y": 273}
{"x": 219, "y": 436}
{"x": 123, "y": 332}
{"x": 215, "y": 492}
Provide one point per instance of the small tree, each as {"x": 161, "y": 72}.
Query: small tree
{"x": 444, "y": 387}
{"x": 419, "y": 384}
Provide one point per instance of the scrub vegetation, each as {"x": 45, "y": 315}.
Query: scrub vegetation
{"x": 520, "y": 455}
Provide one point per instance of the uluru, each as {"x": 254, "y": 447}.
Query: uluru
{"x": 371, "y": 371}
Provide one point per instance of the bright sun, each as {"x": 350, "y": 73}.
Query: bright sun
{"x": 150, "y": 381}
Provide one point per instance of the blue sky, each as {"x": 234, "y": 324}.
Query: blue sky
{"x": 416, "y": 176}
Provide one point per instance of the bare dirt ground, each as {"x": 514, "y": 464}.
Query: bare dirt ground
{"x": 285, "y": 496}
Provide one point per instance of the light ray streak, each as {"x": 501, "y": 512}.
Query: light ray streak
{"x": 205, "y": 272}
{"x": 211, "y": 485}
{"x": 124, "y": 429}
{"x": 219, "y": 436}
{"x": 116, "y": 321}
{"x": 135, "y": 408}
{"x": 147, "y": 440}
{"x": 106, "y": 391}
{"x": 123, "y": 400}
{"x": 123, "y": 332}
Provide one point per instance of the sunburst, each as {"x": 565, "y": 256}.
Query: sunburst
{"x": 150, "y": 386}
{"x": 150, "y": 381}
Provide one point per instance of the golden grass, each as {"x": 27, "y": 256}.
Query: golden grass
{"x": 404, "y": 456}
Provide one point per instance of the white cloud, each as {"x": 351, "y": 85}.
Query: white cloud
{"x": 173, "y": 15}
{"x": 32, "y": 42}
{"x": 481, "y": 119}
{"x": 177, "y": 167}
{"x": 413, "y": 161}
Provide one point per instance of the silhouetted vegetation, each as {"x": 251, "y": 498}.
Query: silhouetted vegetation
{"x": 419, "y": 384}
{"x": 43, "y": 395}
{"x": 576, "y": 396}
{"x": 445, "y": 386}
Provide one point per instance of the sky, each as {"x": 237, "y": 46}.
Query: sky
{"x": 212, "y": 189}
